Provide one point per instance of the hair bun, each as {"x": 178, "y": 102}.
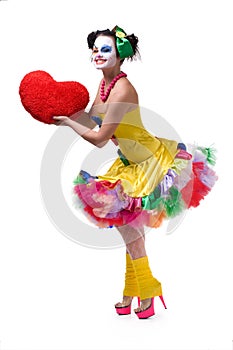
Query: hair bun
{"x": 91, "y": 39}
{"x": 133, "y": 39}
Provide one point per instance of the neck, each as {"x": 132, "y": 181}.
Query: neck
{"x": 110, "y": 74}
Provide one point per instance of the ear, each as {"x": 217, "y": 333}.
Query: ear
{"x": 119, "y": 60}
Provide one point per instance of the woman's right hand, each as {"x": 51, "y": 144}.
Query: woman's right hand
{"x": 62, "y": 120}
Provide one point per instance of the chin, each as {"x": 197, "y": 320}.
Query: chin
{"x": 101, "y": 66}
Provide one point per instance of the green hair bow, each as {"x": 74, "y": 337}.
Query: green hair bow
{"x": 123, "y": 45}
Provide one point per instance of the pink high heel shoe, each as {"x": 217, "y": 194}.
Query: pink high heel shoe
{"x": 125, "y": 310}
{"x": 148, "y": 312}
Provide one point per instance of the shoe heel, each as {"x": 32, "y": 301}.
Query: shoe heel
{"x": 147, "y": 312}
{"x": 162, "y": 300}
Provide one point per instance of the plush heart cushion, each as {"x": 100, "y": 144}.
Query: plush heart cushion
{"x": 44, "y": 98}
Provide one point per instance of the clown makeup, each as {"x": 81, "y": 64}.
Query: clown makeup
{"x": 104, "y": 52}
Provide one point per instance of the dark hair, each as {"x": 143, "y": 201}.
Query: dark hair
{"x": 132, "y": 39}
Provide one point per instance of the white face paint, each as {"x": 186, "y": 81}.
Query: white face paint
{"x": 104, "y": 52}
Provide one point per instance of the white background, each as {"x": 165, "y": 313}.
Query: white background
{"x": 58, "y": 295}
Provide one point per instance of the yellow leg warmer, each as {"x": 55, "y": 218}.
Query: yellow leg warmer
{"x": 148, "y": 285}
{"x": 131, "y": 284}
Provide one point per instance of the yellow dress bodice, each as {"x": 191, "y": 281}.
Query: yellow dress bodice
{"x": 149, "y": 157}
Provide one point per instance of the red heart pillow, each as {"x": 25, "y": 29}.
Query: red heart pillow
{"x": 44, "y": 98}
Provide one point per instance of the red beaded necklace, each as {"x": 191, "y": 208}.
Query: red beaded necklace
{"x": 104, "y": 95}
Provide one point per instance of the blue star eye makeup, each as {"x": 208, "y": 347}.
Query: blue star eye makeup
{"x": 106, "y": 49}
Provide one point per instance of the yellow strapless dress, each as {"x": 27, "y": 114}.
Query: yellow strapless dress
{"x": 152, "y": 179}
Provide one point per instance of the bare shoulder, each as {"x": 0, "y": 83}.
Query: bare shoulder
{"x": 124, "y": 91}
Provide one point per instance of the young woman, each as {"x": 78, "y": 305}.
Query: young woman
{"x": 152, "y": 178}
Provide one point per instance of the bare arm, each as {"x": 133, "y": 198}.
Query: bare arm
{"x": 84, "y": 119}
{"x": 116, "y": 109}
{"x": 114, "y": 114}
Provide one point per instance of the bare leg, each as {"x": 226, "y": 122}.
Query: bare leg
{"x": 135, "y": 245}
{"x": 134, "y": 240}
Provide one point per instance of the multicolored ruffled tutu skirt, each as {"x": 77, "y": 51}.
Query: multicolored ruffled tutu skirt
{"x": 188, "y": 180}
